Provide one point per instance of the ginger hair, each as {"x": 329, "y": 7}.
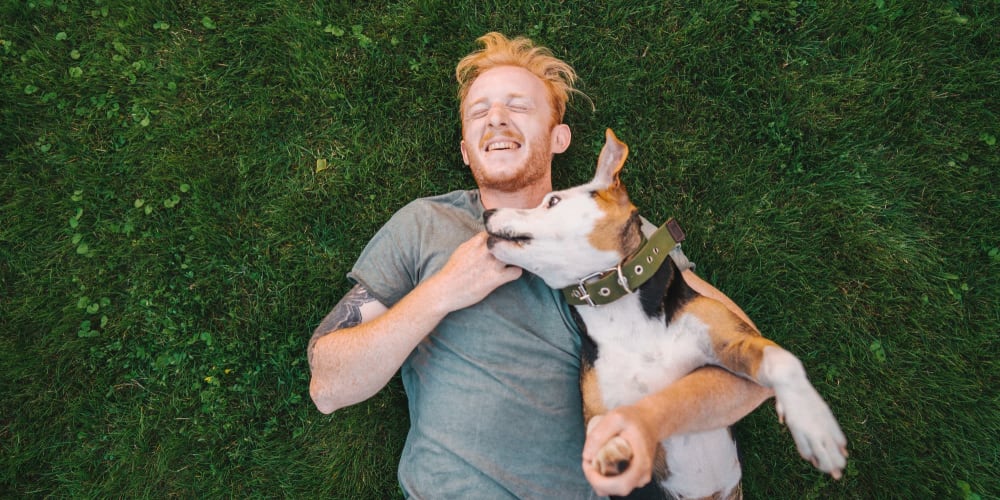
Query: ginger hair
{"x": 498, "y": 50}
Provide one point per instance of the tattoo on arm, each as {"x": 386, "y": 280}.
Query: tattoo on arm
{"x": 345, "y": 314}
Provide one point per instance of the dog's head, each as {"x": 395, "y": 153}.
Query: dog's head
{"x": 575, "y": 232}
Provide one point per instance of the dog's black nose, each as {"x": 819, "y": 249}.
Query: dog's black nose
{"x": 487, "y": 214}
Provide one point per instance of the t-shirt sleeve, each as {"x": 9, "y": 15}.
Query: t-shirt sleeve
{"x": 387, "y": 265}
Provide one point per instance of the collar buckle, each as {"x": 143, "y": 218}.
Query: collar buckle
{"x": 581, "y": 288}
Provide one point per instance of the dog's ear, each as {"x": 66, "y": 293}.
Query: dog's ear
{"x": 611, "y": 161}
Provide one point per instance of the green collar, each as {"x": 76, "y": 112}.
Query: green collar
{"x": 605, "y": 287}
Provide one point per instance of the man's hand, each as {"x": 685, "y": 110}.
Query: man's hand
{"x": 626, "y": 423}
{"x": 471, "y": 273}
{"x": 705, "y": 399}
{"x": 367, "y": 351}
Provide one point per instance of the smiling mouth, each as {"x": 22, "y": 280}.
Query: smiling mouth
{"x": 502, "y": 146}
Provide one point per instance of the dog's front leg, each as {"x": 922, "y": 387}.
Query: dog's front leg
{"x": 817, "y": 435}
{"x": 615, "y": 455}
{"x": 741, "y": 349}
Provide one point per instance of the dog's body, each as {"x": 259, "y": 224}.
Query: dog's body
{"x": 644, "y": 341}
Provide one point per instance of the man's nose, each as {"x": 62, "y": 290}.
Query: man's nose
{"x": 497, "y": 115}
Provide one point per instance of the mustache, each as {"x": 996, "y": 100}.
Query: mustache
{"x": 506, "y": 133}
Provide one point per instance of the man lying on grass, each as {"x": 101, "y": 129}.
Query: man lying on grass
{"x": 488, "y": 355}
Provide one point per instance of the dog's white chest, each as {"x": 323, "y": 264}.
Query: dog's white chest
{"x": 638, "y": 355}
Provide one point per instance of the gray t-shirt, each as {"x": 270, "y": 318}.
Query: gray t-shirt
{"x": 494, "y": 397}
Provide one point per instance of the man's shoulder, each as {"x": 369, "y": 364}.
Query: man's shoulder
{"x": 461, "y": 203}
{"x": 415, "y": 242}
{"x": 461, "y": 199}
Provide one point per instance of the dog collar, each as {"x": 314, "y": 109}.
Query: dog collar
{"x": 605, "y": 287}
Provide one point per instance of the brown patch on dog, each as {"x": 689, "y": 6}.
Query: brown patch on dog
{"x": 660, "y": 470}
{"x": 738, "y": 346}
{"x": 608, "y": 233}
{"x": 736, "y": 494}
{"x": 593, "y": 403}
{"x": 613, "y": 200}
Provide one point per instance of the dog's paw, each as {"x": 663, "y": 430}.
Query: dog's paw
{"x": 816, "y": 432}
{"x": 614, "y": 457}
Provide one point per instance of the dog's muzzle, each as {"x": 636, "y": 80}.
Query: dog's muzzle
{"x": 502, "y": 235}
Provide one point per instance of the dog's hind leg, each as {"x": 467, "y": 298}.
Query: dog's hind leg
{"x": 702, "y": 465}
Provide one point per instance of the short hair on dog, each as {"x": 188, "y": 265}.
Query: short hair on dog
{"x": 498, "y": 50}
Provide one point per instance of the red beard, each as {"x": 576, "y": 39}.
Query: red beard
{"x": 536, "y": 167}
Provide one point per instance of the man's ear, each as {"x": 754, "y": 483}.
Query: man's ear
{"x": 561, "y": 137}
{"x": 465, "y": 154}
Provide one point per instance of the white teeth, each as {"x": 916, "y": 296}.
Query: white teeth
{"x": 501, "y": 145}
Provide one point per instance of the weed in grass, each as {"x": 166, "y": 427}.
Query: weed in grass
{"x": 965, "y": 491}
{"x": 334, "y": 30}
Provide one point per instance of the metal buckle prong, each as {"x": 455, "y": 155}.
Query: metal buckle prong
{"x": 622, "y": 280}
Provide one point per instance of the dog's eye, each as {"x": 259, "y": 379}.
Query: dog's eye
{"x": 553, "y": 201}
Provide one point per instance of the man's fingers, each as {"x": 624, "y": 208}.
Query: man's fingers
{"x": 512, "y": 273}
{"x": 635, "y": 476}
{"x": 600, "y": 430}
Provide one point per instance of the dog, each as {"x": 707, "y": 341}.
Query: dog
{"x": 643, "y": 328}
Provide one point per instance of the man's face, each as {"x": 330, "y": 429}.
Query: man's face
{"x": 506, "y": 129}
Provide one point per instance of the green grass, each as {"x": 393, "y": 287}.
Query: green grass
{"x": 167, "y": 243}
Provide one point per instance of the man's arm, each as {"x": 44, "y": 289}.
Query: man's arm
{"x": 705, "y": 399}
{"x": 361, "y": 343}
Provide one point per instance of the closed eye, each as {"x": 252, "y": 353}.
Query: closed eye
{"x": 519, "y": 105}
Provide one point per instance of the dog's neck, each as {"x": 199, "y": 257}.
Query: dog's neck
{"x": 646, "y": 257}
{"x": 632, "y": 237}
